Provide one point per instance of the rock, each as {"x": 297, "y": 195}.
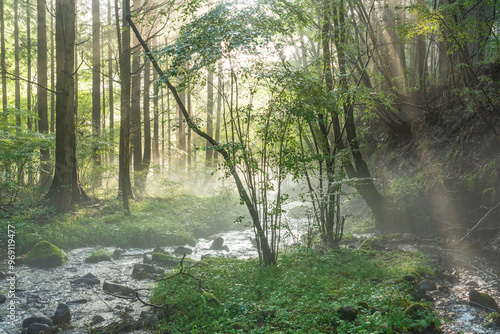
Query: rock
{"x": 217, "y": 243}
{"x": 224, "y": 248}
{"x": 142, "y": 271}
{"x": 472, "y": 284}
{"x": 428, "y": 285}
{"x": 117, "y": 289}
{"x": 117, "y": 253}
{"x": 40, "y": 320}
{"x": 444, "y": 288}
{"x": 371, "y": 244}
{"x": 89, "y": 279}
{"x": 3, "y": 299}
{"x": 164, "y": 259}
{"x": 95, "y": 258}
{"x": 483, "y": 299}
{"x": 158, "y": 249}
{"x": 348, "y": 313}
{"x": 62, "y": 315}
{"x": 148, "y": 258}
{"x": 97, "y": 319}
{"x": 37, "y": 328}
{"x": 45, "y": 255}
{"x": 149, "y": 319}
{"x": 78, "y": 301}
{"x": 183, "y": 250}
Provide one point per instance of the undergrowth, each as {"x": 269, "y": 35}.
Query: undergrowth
{"x": 302, "y": 294}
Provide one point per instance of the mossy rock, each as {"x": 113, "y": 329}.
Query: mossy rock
{"x": 45, "y": 255}
{"x": 483, "y": 299}
{"x": 363, "y": 305}
{"x": 94, "y": 258}
{"x": 348, "y": 313}
{"x": 416, "y": 311}
{"x": 371, "y": 244}
{"x": 165, "y": 259}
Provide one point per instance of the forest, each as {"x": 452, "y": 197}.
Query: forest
{"x": 255, "y": 166}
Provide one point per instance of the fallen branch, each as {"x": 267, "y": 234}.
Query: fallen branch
{"x": 482, "y": 220}
{"x": 482, "y": 306}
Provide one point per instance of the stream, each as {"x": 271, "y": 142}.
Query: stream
{"x": 40, "y": 290}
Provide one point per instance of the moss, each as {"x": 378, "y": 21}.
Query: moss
{"x": 94, "y": 258}
{"x": 416, "y": 311}
{"x": 45, "y": 255}
{"x": 371, "y": 244}
{"x": 483, "y": 299}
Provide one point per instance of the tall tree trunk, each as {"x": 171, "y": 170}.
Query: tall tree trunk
{"x": 220, "y": 93}
{"x": 96, "y": 88}
{"x": 43, "y": 118}
{"x": 124, "y": 158}
{"x": 3, "y": 64}
{"x": 210, "y": 116}
{"x": 65, "y": 189}
{"x": 52, "y": 72}
{"x": 188, "y": 130}
{"x": 110, "y": 88}
{"x": 135, "y": 108}
{"x": 28, "y": 84}
{"x": 146, "y": 159}
{"x": 156, "y": 134}
{"x": 17, "y": 87}
{"x": 181, "y": 134}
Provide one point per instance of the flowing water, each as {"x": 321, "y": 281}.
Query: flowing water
{"x": 40, "y": 290}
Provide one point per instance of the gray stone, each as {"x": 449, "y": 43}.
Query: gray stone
{"x": 428, "y": 285}
{"x": 217, "y": 243}
{"x": 62, "y": 315}
{"x": 117, "y": 253}
{"x": 142, "y": 271}
{"x": 472, "y": 284}
{"x": 39, "y": 320}
{"x": 444, "y": 289}
{"x": 3, "y": 299}
{"x": 78, "y": 301}
{"x": 148, "y": 258}
{"x": 183, "y": 250}
{"x": 483, "y": 299}
{"x": 149, "y": 319}
{"x": 224, "y": 248}
{"x": 97, "y": 319}
{"x": 37, "y": 328}
{"x": 88, "y": 279}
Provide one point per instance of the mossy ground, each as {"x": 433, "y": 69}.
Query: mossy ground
{"x": 175, "y": 220}
{"x": 301, "y": 294}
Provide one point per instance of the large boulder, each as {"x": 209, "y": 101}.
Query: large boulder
{"x": 88, "y": 279}
{"x": 183, "y": 250}
{"x": 37, "y": 328}
{"x": 62, "y": 315}
{"x": 217, "y": 243}
{"x": 37, "y": 319}
{"x": 117, "y": 289}
{"x": 483, "y": 299}
{"x": 45, "y": 255}
{"x": 164, "y": 259}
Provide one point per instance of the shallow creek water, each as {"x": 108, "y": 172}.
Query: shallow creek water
{"x": 42, "y": 289}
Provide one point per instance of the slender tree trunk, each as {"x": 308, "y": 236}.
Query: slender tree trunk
{"x": 220, "y": 93}
{"x": 156, "y": 134}
{"x": 110, "y": 88}
{"x": 17, "y": 87}
{"x": 210, "y": 116}
{"x": 96, "y": 88}
{"x": 124, "y": 159}
{"x": 28, "y": 84}
{"x": 3, "y": 64}
{"x": 65, "y": 189}
{"x": 52, "y": 72}
{"x": 188, "y": 130}
{"x": 135, "y": 108}
{"x": 146, "y": 160}
{"x": 181, "y": 135}
{"x": 42, "y": 106}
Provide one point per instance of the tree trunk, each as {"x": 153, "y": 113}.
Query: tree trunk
{"x": 135, "y": 108}
{"x": 188, "y": 133}
{"x": 181, "y": 134}
{"x": 52, "y": 72}
{"x": 17, "y": 89}
{"x": 3, "y": 64}
{"x": 65, "y": 189}
{"x": 111, "y": 92}
{"x": 124, "y": 158}
{"x": 146, "y": 160}
{"x": 43, "y": 125}
{"x": 210, "y": 116}
{"x": 96, "y": 89}
{"x": 156, "y": 132}
{"x": 220, "y": 93}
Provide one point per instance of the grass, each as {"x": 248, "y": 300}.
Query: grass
{"x": 178, "y": 219}
{"x": 302, "y": 294}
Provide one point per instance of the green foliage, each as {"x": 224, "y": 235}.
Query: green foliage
{"x": 300, "y": 295}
